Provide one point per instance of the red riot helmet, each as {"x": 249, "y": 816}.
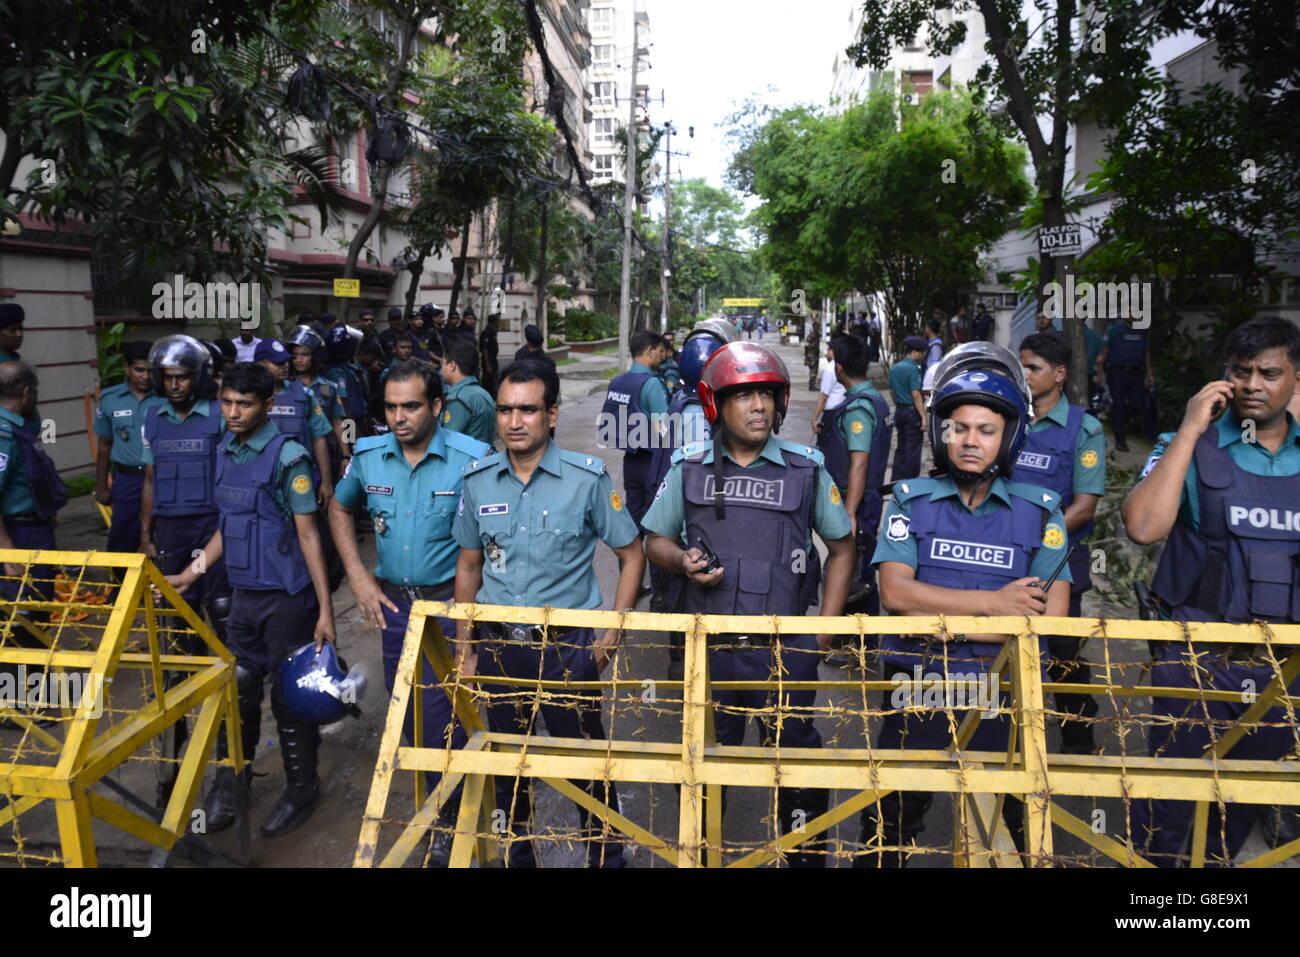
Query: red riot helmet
{"x": 740, "y": 365}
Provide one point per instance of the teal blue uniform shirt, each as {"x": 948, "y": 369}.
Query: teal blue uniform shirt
{"x": 417, "y": 505}
{"x": 1089, "y": 448}
{"x": 1250, "y": 456}
{"x": 1046, "y": 557}
{"x": 295, "y": 492}
{"x": 318, "y": 423}
{"x": 904, "y": 376}
{"x": 1092, "y": 343}
{"x": 654, "y": 396}
{"x": 203, "y": 407}
{"x": 7, "y": 356}
{"x": 858, "y": 425}
{"x": 120, "y": 416}
{"x": 538, "y": 539}
{"x": 15, "y": 493}
{"x": 667, "y": 514}
{"x": 470, "y": 410}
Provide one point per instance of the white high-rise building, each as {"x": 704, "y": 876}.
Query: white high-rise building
{"x": 613, "y": 25}
{"x": 910, "y": 68}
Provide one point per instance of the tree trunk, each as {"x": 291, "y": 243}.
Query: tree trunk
{"x": 461, "y": 262}
{"x": 542, "y": 278}
{"x": 413, "y": 287}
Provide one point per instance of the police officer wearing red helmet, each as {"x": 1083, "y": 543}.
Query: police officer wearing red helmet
{"x": 754, "y": 501}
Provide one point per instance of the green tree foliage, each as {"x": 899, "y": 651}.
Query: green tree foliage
{"x": 888, "y": 196}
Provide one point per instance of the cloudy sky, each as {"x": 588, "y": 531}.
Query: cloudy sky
{"x": 709, "y": 55}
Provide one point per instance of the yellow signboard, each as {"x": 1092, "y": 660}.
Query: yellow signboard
{"x": 347, "y": 288}
{"x": 743, "y": 302}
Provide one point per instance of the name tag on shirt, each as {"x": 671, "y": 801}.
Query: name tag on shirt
{"x": 486, "y": 510}
{"x": 379, "y": 490}
{"x": 122, "y": 412}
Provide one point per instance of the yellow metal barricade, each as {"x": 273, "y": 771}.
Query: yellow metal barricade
{"x": 101, "y": 662}
{"x": 979, "y": 782}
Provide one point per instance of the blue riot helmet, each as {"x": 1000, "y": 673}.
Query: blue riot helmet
{"x": 307, "y": 337}
{"x": 182, "y": 352}
{"x": 342, "y": 342}
{"x": 318, "y": 688}
{"x": 981, "y": 373}
{"x": 696, "y": 351}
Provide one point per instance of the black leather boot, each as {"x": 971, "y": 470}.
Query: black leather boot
{"x": 219, "y": 804}
{"x": 298, "y": 746}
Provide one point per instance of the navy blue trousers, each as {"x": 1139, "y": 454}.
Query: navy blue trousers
{"x": 907, "y": 454}
{"x": 1162, "y": 827}
{"x": 1128, "y": 395}
{"x": 124, "y": 533}
{"x": 637, "y": 468}
{"x": 578, "y": 716}
{"x": 267, "y": 626}
{"x": 798, "y": 657}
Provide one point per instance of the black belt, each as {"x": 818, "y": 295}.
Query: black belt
{"x": 522, "y": 633}
{"x": 26, "y": 520}
{"x": 128, "y": 469}
{"x": 414, "y": 593}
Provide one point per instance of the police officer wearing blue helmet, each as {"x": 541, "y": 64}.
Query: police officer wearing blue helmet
{"x": 297, "y": 414}
{"x": 341, "y": 344}
{"x": 687, "y": 424}
{"x": 1224, "y": 492}
{"x": 969, "y": 542}
{"x": 409, "y": 482}
{"x": 751, "y": 502}
{"x": 855, "y": 439}
{"x": 178, "y": 513}
{"x": 308, "y": 368}
{"x": 528, "y": 524}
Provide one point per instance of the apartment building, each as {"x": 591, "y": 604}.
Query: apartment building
{"x": 616, "y": 25}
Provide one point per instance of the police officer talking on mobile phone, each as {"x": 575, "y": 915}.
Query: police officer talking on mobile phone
{"x": 1224, "y": 493}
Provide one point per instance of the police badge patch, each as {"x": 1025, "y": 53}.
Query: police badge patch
{"x": 899, "y": 528}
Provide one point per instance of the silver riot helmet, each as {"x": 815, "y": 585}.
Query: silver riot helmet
{"x": 183, "y": 352}
{"x": 307, "y": 337}
{"x": 718, "y": 328}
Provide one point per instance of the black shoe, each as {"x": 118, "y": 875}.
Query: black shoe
{"x": 440, "y": 849}
{"x": 221, "y": 801}
{"x": 296, "y": 804}
{"x": 1121, "y": 446}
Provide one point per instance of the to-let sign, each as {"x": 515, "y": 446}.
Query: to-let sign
{"x": 1059, "y": 241}
{"x": 347, "y": 288}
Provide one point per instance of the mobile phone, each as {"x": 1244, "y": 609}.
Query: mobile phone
{"x": 708, "y": 556}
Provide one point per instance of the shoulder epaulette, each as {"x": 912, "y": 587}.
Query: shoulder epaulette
{"x": 466, "y": 444}
{"x": 478, "y": 465}
{"x": 695, "y": 451}
{"x": 906, "y": 489}
{"x": 587, "y": 462}
{"x": 1047, "y": 500}
{"x": 293, "y": 451}
{"x": 1091, "y": 424}
{"x": 816, "y": 456}
{"x": 369, "y": 443}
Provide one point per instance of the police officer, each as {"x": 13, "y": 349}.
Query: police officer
{"x": 933, "y": 352}
{"x": 687, "y": 425}
{"x": 178, "y": 512}
{"x": 396, "y": 326}
{"x": 855, "y": 441}
{"x": 119, "y": 415}
{"x": 635, "y": 406}
{"x": 754, "y": 501}
{"x": 31, "y": 492}
{"x": 970, "y": 542}
{"x": 297, "y": 414}
{"x": 469, "y": 408}
{"x": 1126, "y": 360}
{"x": 308, "y": 365}
{"x": 366, "y": 323}
{"x": 349, "y": 379}
{"x": 1065, "y": 452}
{"x": 909, "y": 409}
{"x": 1224, "y": 491}
{"x": 489, "y": 352}
{"x": 409, "y": 482}
{"x": 281, "y": 597}
{"x": 670, "y": 372}
{"x": 528, "y": 524}
{"x": 12, "y": 318}
{"x": 532, "y": 347}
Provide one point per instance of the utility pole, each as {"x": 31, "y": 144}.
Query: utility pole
{"x": 629, "y": 208}
{"x": 666, "y": 272}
